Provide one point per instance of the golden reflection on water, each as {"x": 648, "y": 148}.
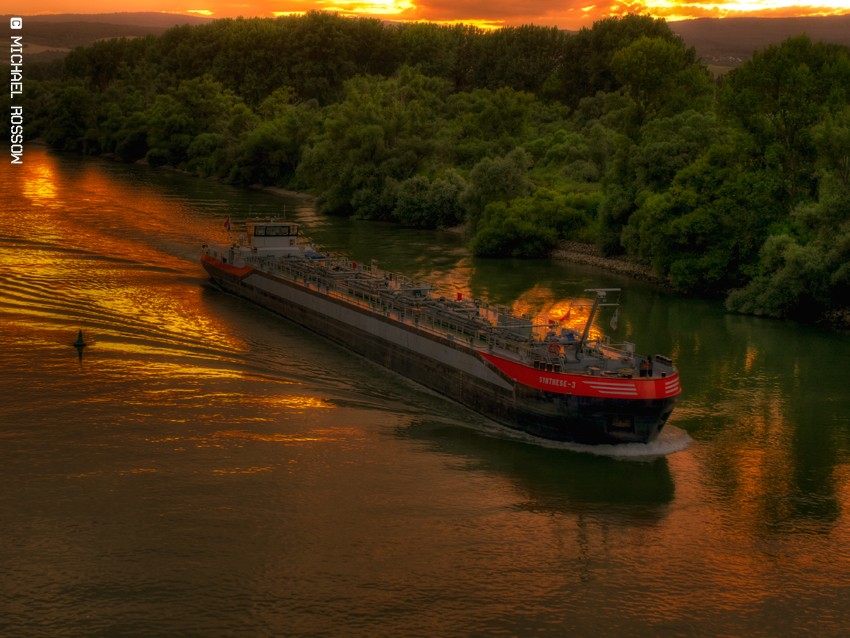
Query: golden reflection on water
{"x": 39, "y": 183}
{"x": 841, "y": 481}
{"x": 750, "y": 357}
{"x": 736, "y": 535}
{"x": 112, "y": 272}
{"x": 240, "y": 438}
{"x": 138, "y": 470}
{"x": 149, "y": 366}
{"x": 543, "y": 306}
{"x": 244, "y": 470}
{"x": 298, "y": 403}
{"x": 323, "y": 435}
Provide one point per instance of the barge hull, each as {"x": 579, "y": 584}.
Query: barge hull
{"x": 451, "y": 367}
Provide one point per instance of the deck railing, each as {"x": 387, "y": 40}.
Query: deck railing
{"x": 414, "y": 303}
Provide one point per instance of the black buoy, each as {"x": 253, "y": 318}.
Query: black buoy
{"x": 80, "y": 342}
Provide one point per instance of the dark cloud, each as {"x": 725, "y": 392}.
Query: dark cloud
{"x": 566, "y": 14}
{"x": 501, "y": 11}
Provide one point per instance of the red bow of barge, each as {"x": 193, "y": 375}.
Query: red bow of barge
{"x": 548, "y": 381}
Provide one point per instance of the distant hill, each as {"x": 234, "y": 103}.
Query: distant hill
{"x": 137, "y": 19}
{"x": 721, "y": 43}
{"x": 53, "y": 36}
{"x": 729, "y": 42}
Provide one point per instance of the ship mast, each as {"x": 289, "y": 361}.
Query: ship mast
{"x": 601, "y": 295}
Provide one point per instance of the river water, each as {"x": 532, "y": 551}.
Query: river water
{"x": 208, "y": 469}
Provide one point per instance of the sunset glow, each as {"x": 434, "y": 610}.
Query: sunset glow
{"x": 565, "y": 14}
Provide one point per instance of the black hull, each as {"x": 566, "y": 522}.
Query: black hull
{"x": 548, "y": 415}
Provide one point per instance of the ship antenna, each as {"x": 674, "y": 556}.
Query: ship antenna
{"x": 601, "y": 294}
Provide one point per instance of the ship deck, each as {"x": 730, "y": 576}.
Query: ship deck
{"x": 468, "y": 323}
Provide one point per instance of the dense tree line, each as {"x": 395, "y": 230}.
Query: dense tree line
{"x": 616, "y": 135}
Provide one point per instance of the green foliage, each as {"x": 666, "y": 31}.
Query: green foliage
{"x": 807, "y": 272}
{"x": 71, "y": 120}
{"x": 794, "y": 286}
{"x": 586, "y": 64}
{"x": 832, "y": 139}
{"x": 496, "y": 180}
{"x": 522, "y": 58}
{"x": 200, "y": 106}
{"x": 382, "y": 132}
{"x": 671, "y": 144}
{"x": 779, "y": 95}
{"x": 654, "y": 70}
{"x": 528, "y": 226}
{"x": 484, "y": 123}
{"x": 794, "y": 102}
{"x": 271, "y": 152}
{"x": 512, "y": 229}
{"x": 130, "y": 139}
{"x": 526, "y": 135}
{"x": 430, "y": 204}
{"x": 431, "y": 49}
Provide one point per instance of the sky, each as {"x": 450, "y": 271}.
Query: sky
{"x": 565, "y": 14}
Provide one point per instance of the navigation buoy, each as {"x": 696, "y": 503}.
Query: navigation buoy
{"x": 80, "y": 342}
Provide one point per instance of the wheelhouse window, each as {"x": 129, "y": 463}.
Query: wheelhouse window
{"x": 274, "y": 231}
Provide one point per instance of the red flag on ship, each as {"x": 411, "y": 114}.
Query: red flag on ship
{"x": 227, "y": 223}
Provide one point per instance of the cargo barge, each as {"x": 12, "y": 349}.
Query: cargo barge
{"x": 546, "y": 380}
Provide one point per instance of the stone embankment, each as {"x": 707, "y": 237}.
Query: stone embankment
{"x": 839, "y": 319}
{"x": 590, "y": 255}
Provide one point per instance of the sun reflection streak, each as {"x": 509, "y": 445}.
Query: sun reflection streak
{"x": 241, "y": 437}
{"x": 750, "y": 358}
{"x": 39, "y": 184}
{"x": 537, "y": 303}
{"x": 299, "y": 403}
{"x": 244, "y": 470}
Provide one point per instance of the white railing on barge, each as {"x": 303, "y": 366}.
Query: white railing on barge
{"x": 407, "y": 301}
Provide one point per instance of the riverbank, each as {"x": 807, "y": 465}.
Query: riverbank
{"x": 837, "y": 320}
{"x": 276, "y": 190}
{"x": 572, "y": 251}
{"x": 590, "y": 255}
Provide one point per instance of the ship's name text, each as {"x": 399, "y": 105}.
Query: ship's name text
{"x": 561, "y": 383}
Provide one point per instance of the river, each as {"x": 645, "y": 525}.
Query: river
{"x": 205, "y": 468}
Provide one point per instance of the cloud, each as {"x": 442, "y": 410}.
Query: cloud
{"x": 566, "y": 14}
{"x": 573, "y": 14}
{"x": 507, "y": 10}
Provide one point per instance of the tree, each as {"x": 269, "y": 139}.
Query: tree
{"x": 271, "y": 152}
{"x": 430, "y": 204}
{"x": 527, "y": 226}
{"x": 195, "y": 107}
{"x": 586, "y": 68}
{"x": 71, "y": 120}
{"x": 522, "y": 58}
{"x": 429, "y": 48}
{"x": 779, "y": 95}
{"x": 661, "y": 76}
{"x": 381, "y": 134}
{"x": 493, "y": 180}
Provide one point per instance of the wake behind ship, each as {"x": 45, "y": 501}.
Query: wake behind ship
{"x": 548, "y": 381}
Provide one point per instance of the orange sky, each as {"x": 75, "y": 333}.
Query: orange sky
{"x": 566, "y": 14}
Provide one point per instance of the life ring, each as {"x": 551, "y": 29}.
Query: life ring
{"x": 554, "y": 348}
